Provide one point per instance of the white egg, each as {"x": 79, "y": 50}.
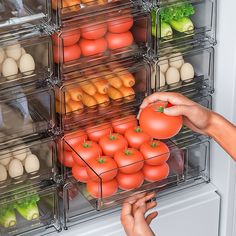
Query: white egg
{"x": 172, "y": 76}
{"x": 9, "y": 68}
{"x": 5, "y": 157}
{"x": 23, "y": 51}
{"x": 176, "y": 60}
{"x": 3, "y": 173}
{"x": 20, "y": 152}
{"x": 162, "y": 79}
{"x": 27, "y": 64}
{"x": 14, "y": 51}
{"x": 163, "y": 64}
{"x": 32, "y": 163}
{"x": 187, "y": 72}
{"x": 15, "y": 168}
{"x": 2, "y": 55}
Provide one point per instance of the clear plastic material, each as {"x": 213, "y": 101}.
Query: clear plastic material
{"x": 91, "y": 93}
{"x": 26, "y": 159}
{"x": 101, "y": 38}
{"x": 193, "y": 21}
{"x": 26, "y": 110}
{"x": 22, "y": 14}
{"x": 26, "y": 60}
{"x": 28, "y": 210}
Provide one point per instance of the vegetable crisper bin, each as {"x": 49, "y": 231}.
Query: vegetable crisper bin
{"x": 26, "y": 110}
{"x": 100, "y": 38}
{"x": 25, "y": 60}
{"x": 29, "y": 210}
{"x": 190, "y": 70}
{"x": 29, "y": 160}
{"x": 23, "y": 14}
{"x": 191, "y": 21}
{"x": 101, "y": 91}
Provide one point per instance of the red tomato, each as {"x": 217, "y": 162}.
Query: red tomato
{"x": 75, "y": 139}
{"x": 84, "y": 152}
{"x": 91, "y": 47}
{"x": 70, "y": 53}
{"x": 120, "y": 24}
{"x": 116, "y": 41}
{"x": 158, "y": 125}
{"x": 129, "y": 161}
{"x": 136, "y": 137}
{"x": 130, "y": 181}
{"x": 66, "y": 159}
{"x": 93, "y": 31}
{"x": 102, "y": 168}
{"x": 80, "y": 173}
{"x": 66, "y": 38}
{"x": 155, "y": 173}
{"x": 103, "y": 189}
{"x": 113, "y": 143}
{"x": 155, "y": 152}
{"x": 122, "y": 124}
{"x": 96, "y": 132}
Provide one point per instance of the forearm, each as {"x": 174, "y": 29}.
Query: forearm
{"x": 224, "y": 133}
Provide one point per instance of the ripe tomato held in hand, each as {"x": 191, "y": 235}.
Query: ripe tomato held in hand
{"x": 104, "y": 167}
{"x": 80, "y": 173}
{"x": 67, "y": 38}
{"x": 122, "y": 40}
{"x": 155, "y": 173}
{"x": 158, "y": 125}
{"x": 112, "y": 143}
{"x": 136, "y": 137}
{"x": 93, "y": 31}
{"x": 70, "y": 53}
{"x": 120, "y": 24}
{"x": 129, "y": 160}
{"x": 130, "y": 181}
{"x": 103, "y": 189}
{"x": 98, "y": 131}
{"x": 85, "y": 152}
{"x": 66, "y": 159}
{"x": 74, "y": 139}
{"x": 155, "y": 152}
{"x": 122, "y": 124}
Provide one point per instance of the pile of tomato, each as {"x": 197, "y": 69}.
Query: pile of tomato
{"x": 93, "y": 38}
{"x": 115, "y": 155}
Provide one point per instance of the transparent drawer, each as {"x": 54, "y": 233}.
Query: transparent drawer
{"x": 29, "y": 210}
{"x": 25, "y": 60}
{"x": 92, "y": 93}
{"x": 27, "y": 159}
{"x": 16, "y": 14}
{"x": 191, "y": 21}
{"x": 25, "y": 111}
{"x": 98, "y": 38}
{"x": 187, "y": 70}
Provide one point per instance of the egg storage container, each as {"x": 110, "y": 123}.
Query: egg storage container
{"x": 183, "y": 22}
{"x": 25, "y": 60}
{"x": 29, "y": 210}
{"x": 27, "y": 159}
{"x": 101, "y": 37}
{"x": 24, "y": 14}
{"x": 26, "y": 111}
{"x": 101, "y": 90}
{"x": 183, "y": 70}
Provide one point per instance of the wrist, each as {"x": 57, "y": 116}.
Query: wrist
{"x": 214, "y": 125}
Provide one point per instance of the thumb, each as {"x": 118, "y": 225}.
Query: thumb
{"x": 177, "y": 110}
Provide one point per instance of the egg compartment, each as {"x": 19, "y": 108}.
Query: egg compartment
{"x": 24, "y": 14}
{"x": 89, "y": 41}
{"x": 188, "y": 70}
{"x": 25, "y": 60}
{"x": 29, "y": 210}
{"x": 26, "y": 111}
{"x": 198, "y": 23}
{"x": 27, "y": 159}
{"x": 100, "y": 90}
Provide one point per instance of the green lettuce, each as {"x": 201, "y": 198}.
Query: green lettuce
{"x": 7, "y": 216}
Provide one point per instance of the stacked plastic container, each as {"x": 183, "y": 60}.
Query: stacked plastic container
{"x": 73, "y": 71}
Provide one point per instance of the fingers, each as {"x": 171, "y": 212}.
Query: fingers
{"x": 126, "y": 215}
{"x": 134, "y": 198}
{"x": 178, "y": 110}
{"x": 151, "y": 216}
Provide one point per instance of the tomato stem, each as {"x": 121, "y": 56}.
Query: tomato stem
{"x": 101, "y": 160}
{"x": 154, "y": 144}
{"x": 128, "y": 152}
{"x": 112, "y": 137}
{"x": 138, "y": 130}
{"x": 86, "y": 145}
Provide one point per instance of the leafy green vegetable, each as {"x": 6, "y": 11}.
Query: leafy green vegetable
{"x": 7, "y": 216}
{"x": 182, "y": 25}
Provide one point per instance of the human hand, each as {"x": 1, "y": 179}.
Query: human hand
{"x": 195, "y": 117}
{"x": 133, "y": 215}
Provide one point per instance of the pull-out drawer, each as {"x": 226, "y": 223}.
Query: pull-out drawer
{"x": 25, "y": 60}
{"x": 29, "y": 210}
